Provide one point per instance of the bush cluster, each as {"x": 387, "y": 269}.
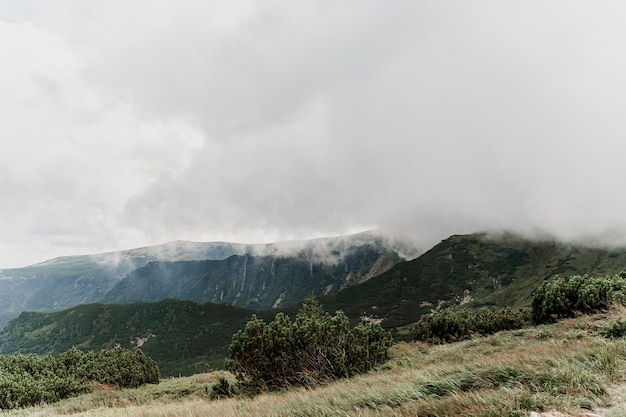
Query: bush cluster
{"x": 315, "y": 347}
{"x": 30, "y": 380}
{"x": 450, "y": 326}
{"x": 123, "y": 368}
{"x": 568, "y": 297}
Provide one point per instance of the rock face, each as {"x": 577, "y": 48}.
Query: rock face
{"x": 251, "y": 281}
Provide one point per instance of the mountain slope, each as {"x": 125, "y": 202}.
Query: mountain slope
{"x": 73, "y": 280}
{"x": 252, "y": 282}
{"x": 477, "y": 269}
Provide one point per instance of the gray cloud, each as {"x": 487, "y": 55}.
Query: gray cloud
{"x": 257, "y": 121}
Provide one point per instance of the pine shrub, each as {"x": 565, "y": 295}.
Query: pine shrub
{"x": 222, "y": 389}
{"x": 29, "y": 380}
{"x": 452, "y": 325}
{"x": 568, "y": 297}
{"x": 313, "y": 348}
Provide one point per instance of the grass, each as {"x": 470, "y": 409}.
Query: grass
{"x": 568, "y": 366}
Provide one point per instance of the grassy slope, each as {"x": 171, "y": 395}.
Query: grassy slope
{"x": 565, "y": 366}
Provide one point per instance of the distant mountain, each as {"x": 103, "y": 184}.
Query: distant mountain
{"x": 258, "y": 282}
{"x": 159, "y": 272}
{"x": 460, "y": 272}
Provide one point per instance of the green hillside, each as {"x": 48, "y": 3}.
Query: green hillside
{"x": 471, "y": 270}
{"x": 182, "y": 336}
{"x": 64, "y": 283}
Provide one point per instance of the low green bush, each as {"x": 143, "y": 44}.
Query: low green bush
{"x": 315, "y": 347}
{"x": 29, "y": 380}
{"x": 123, "y": 368}
{"x": 222, "y": 389}
{"x": 452, "y": 325}
{"x": 568, "y": 297}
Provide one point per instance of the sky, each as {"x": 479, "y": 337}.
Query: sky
{"x": 126, "y": 124}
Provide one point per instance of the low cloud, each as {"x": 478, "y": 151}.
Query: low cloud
{"x": 136, "y": 124}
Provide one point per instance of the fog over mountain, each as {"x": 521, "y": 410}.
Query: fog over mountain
{"x": 126, "y": 124}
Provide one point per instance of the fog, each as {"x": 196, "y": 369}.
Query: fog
{"x": 125, "y": 125}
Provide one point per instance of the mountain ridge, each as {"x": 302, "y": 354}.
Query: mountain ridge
{"x": 258, "y": 282}
{"x": 68, "y": 281}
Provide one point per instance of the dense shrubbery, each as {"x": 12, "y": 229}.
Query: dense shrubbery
{"x": 28, "y": 380}
{"x": 120, "y": 367}
{"x": 553, "y": 299}
{"x": 314, "y": 347}
{"x": 449, "y": 325}
{"x": 568, "y": 297}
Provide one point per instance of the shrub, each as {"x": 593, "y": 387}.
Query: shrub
{"x": 568, "y": 297}
{"x": 450, "y": 326}
{"x": 120, "y": 367}
{"x": 29, "y": 380}
{"x": 26, "y": 380}
{"x": 222, "y": 389}
{"x": 314, "y": 347}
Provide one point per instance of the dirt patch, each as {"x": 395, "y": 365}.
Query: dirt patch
{"x": 104, "y": 387}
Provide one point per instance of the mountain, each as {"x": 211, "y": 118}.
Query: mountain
{"x": 253, "y": 282}
{"x": 471, "y": 270}
{"x": 463, "y": 271}
{"x": 133, "y": 275}
{"x": 72, "y": 280}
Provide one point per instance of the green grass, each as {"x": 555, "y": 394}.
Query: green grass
{"x": 569, "y": 367}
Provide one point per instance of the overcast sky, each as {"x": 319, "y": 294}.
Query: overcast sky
{"x": 130, "y": 123}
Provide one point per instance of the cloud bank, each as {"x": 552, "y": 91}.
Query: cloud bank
{"x": 132, "y": 124}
